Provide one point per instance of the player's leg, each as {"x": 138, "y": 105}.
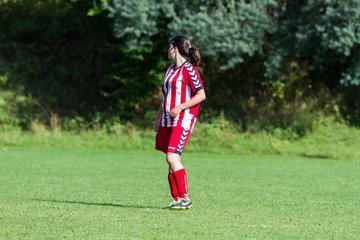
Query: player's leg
{"x": 180, "y": 180}
{"x": 178, "y": 139}
{"x": 162, "y": 142}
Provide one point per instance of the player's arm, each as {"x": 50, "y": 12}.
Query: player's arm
{"x": 198, "y": 98}
{"x": 157, "y": 119}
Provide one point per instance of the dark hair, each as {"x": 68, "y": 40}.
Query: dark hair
{"x": 186, "y": 49}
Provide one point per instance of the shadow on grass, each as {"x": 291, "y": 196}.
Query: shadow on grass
{"x": 319, "y": 156}
{"x": 97, "y": 204}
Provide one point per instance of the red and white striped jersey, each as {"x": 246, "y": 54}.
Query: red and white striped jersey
{"x": 180, "y": 85}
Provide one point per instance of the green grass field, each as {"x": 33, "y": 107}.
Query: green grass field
{"x": 51, "y": 193}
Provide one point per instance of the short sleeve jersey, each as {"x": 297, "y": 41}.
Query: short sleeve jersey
{"x": 180, "y": 85}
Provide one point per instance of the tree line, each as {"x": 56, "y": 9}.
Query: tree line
{"x": 271, "y": 63}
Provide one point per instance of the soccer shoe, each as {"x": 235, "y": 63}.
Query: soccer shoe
{"x": 173, "y": 203}
{"x": 182, "y": 204}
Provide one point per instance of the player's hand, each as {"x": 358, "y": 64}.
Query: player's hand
{"x": 156, "y": 125}
{"x": 175, "y": 111}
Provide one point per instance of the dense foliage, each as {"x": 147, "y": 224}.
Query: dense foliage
{"x": 273, "y": 63}
{"x": 287, "y": 52}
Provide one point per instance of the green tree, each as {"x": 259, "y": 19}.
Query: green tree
{"x": 320, "y": 42}
{"x": 323, "y": 36}
{"x": 226, "y": 31}
{"x": 70, "y": 64}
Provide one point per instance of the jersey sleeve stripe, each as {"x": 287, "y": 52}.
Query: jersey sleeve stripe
{"x": 193, "y": 76}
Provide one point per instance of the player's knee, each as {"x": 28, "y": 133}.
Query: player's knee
{"x": 172, "y": 159}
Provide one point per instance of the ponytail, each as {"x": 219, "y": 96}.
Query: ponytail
{"x": 194, "y": 56}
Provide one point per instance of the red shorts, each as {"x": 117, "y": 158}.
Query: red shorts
{"x": 172, "y": 139}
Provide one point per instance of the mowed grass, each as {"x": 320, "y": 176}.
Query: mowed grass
{"x": 50, "y": 193}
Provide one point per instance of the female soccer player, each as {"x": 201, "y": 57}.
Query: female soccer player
{"x": 182, "y": 91}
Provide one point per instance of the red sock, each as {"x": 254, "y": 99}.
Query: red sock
{"x": 173, "y": 188}
{"x": 181, "y": 183}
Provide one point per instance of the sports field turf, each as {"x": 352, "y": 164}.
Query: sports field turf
{"x": 49, "y": 193}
